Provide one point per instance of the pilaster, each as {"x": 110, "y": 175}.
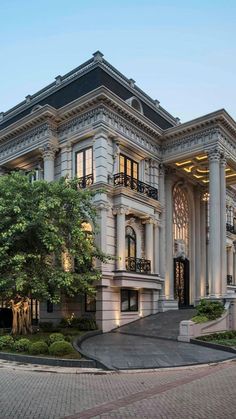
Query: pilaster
{"x": 48, "y": 153}
{"x": 100, "y": 156}
{"x": 120, "y": 213}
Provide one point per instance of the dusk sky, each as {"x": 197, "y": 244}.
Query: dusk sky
{"x": 182, "y": 53}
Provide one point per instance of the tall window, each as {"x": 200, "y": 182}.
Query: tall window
{"x": 128, "y": 166}
{"x": 129, "y": 300}
{"x": 229, "y": 215}
{"x": 84, "y": 163}
{"x": 130, "y": 242}
{"x": 181, "y": 216}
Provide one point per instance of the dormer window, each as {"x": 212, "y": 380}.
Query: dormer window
{"x": 135, "y": 103}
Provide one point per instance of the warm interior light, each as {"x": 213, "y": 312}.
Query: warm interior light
{"x": 232, "y": 175}
{"x": 201, "y": 157}
{"x": 198, "y": 176}
{"x": 188, "y": 169}
{"x": 228, "y": 169}
{"x": 203, "y": 170}
{"x": 183, "y": 163}
{"x": 205, "y": 181}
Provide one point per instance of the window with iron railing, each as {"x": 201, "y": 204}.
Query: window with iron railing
{"x": 84, "y": 167}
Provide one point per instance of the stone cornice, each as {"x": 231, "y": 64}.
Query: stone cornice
{"x": 45, "y": 114}
{"x": 108, "y": 118}
{"x": 23, "y": 143}
{"x": 217, "y": 118}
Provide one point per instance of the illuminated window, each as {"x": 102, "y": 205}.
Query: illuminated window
{"x": 181, "y": 216}
{"x": 128, "y": 166}
{"x": 84, "y": 163}
{"x": 129, "y": 300}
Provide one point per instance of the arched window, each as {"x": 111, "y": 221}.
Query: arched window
{"x": 135, "y": 103}
{"x": 130, "y": 242}
{"x": 181, "y": 217}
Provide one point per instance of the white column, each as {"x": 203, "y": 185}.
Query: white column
{"x": 161, "y": 192}
{"x": 100, "y": 156}
{"x": 120, "y": 237}
{"x": 48, "y": 153}
{"x": 156, "y": 269}
{"x": 223, "y": 225}
{"x": 169, "y": 277}
{"x": 203, "y": 249}
{"x": 149, "y": 244}
{"x": 214, "y": 223}
{"x": 197, "y": 245}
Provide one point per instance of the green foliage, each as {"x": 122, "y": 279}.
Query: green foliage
{"x": 6, "y": 342}
{"x": 22, "y": 345}
{"x": 55, "y": 337}
{"x": 38, "y": 348}
{"x": 210, "y": 309}
{"x": 40, "y": 222}
{"x": 61, "y": 348}
{"x": 200, "y": 319}
{"x": 81, "y": 323}
{"x": 46, "y": 326}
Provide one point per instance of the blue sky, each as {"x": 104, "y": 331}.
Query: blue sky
{"x": 182, "y": 53}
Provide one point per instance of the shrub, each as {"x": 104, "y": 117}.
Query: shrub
{"x": 60, "y": 348}
{"x": 200, "y": 319}
{"x": 6, "y": 341}
{"x": 46, "y": 326}
{"x": 55, "y": 337}
{"x": 211, "y": 309}
{"x": 22, "y": 345}
{"x": 38, "y": 348}
{"x": 84, "y": 323}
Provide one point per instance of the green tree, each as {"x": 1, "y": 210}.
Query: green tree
{"x": 45, "y": 252}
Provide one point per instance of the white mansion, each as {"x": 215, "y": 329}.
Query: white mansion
{"x": 167, "y": 212}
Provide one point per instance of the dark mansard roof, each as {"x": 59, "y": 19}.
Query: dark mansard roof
{"x": 92, "y": 74}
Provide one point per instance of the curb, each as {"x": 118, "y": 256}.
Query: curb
{"x": 53, "y": 362}
{"x": 77, "y": 345}
{"x": 213, "y": 345}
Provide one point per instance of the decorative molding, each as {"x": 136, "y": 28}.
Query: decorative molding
{"x": 48, "y": 151}
{"x": 23, "y": 142}
{"x": 121, "y": 210}
{"x": 214, "y": 154}
{"x": 105, "y": 116}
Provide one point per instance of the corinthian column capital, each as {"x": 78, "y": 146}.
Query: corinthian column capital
{"x": 48, "y": 151}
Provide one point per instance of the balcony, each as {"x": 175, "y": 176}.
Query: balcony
{"x": 229, "y": 280}
{"x": 121, "y": 179}
{"x": 138, "y": 265}
{"x": 85, "y": 181}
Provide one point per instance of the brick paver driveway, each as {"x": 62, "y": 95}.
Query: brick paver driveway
{"x": 199, "y": 392}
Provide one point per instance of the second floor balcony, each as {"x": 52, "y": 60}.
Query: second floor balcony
{"x": 122, "y": 179}
{"x": 231, "y": 228}
{"x": 138, "y": 265}
{"x": 85, "y": 181}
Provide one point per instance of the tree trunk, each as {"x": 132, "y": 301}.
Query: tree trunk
{"x": 21, "y": 323}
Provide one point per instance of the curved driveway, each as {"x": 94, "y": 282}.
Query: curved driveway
{"x": 150, "y": 343}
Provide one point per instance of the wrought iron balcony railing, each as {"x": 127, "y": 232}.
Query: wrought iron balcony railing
{"x": 121, "y": 179}
{"x": 138, "y": 265}
{"x": 229, "y": 280}
{"x": 85, "y": 181}
{"x": 231, "y": 228}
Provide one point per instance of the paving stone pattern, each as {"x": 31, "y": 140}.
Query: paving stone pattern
{"x": 202, "y": 392}
{"x": 150, "y": 342}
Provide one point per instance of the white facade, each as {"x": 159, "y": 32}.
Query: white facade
{"x": 167, "y": 210}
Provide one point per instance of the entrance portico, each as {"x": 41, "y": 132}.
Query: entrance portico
{"x": 201, "y": 174}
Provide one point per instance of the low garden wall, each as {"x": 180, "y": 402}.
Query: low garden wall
{"x": 189, "y": 330}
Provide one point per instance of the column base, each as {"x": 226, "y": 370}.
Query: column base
{"x": 167, "y": 304}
